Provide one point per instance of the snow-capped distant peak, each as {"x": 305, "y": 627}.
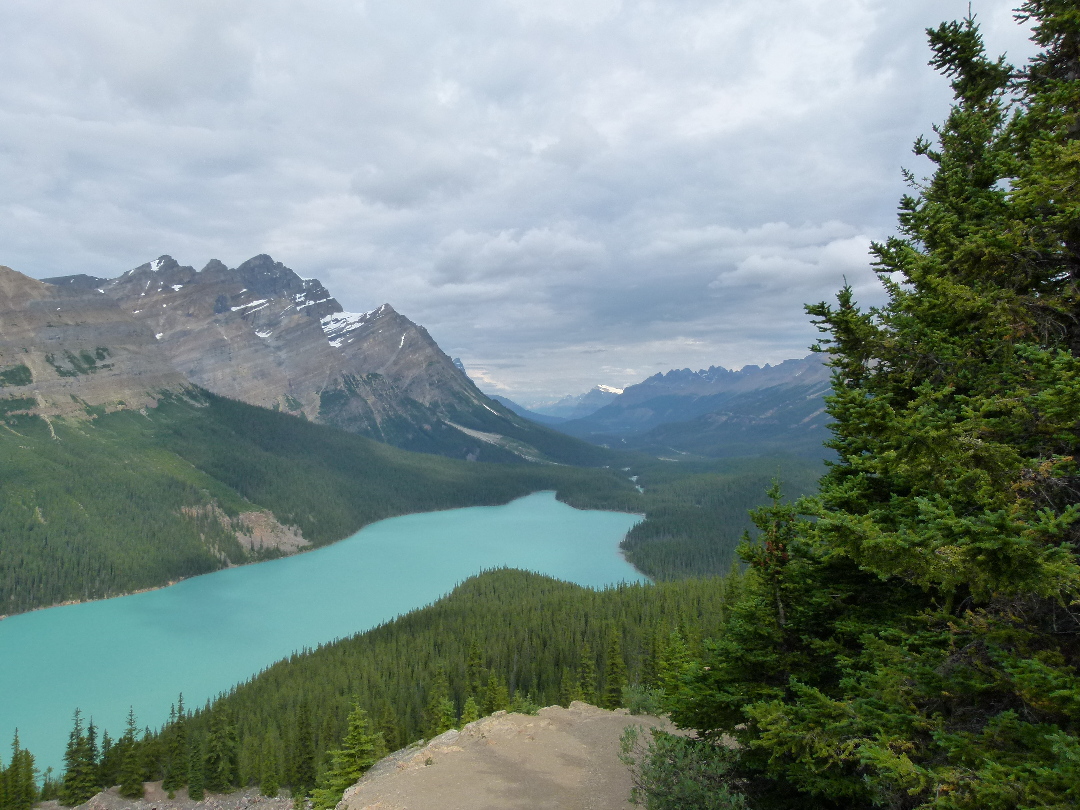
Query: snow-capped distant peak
{"x": 607, "y": 389}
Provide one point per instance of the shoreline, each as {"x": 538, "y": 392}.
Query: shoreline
{"x": 309, "y": 548}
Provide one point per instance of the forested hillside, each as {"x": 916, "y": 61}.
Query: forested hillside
{"x": 697, "y": 510}
{"x": 134, "y": 500}
{"x": 502, "y": 639}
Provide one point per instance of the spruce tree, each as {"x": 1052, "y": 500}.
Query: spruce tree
{"x": 131, "y": 772}
{"x": 474, "y": 670}
{"x": 614, "y": 673}
{"x": 176, "y": 749}
{"x": 222, "y": 750}
{"x": 588, "y": 675}
{"x": 916, "y": 643}
{"x": 441, "y": 713}
{"x": 270, "y": 766}
{"x": 361, "y": 748}
{"x": 569, "y": 687}
{"x": 389, "y": 727}
{"x": 496, "y": 695}
{"x": 80, "y": 780}
{"x": 196, "y": 770}
{"x": 302, "y": 776}
{"x": 470, "y": 711}
{"x": 19, "y": 778}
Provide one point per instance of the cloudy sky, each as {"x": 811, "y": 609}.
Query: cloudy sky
{"x": 565, "y": 192}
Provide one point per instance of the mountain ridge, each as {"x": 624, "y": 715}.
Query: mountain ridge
{"x": 717, "y": 411}
{"x": 263, "y": 335}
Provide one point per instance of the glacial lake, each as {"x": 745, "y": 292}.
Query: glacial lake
{"x": 203, "y": 635}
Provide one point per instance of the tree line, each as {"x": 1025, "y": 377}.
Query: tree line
{"x": 503, "y": 640}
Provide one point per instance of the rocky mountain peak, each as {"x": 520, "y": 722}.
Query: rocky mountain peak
{"x": 262, "y": 334}
{"x": 64, "y": 348}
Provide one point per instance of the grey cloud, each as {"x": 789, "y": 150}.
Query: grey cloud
{"x": 564, "y": 193}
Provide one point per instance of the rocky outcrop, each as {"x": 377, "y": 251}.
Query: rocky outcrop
{"x": 66, "y": 349}
{"x": 558, "y": 759}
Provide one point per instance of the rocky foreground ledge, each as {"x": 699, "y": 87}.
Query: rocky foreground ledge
{"x": 157, "y": 799}
{"x": 558, "y": 759}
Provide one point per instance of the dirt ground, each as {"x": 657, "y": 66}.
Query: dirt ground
{"x": 560, "y": 759}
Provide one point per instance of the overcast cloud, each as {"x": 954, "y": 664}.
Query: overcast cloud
{"x": 565, "y": 192}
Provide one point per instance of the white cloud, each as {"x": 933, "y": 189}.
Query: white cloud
{"x": 559, "y": 191}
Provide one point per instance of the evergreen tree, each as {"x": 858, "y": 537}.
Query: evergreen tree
{"x": 50, "y": 788}
{"x": 196, "y": 770}
{"x": 470, "y": 712}
{"x": 441, "y": 713}
{"x": 19, "y": 778}
{"x": 588, "y": 675}
{"x": 176, "y": 749}
{"x": 569, "y": 687}
{"x": 222, "y": 751}
{"x": 389, "y": 727}
{"x": 672, "y": 658}
{"x": 270, "y": 766}
{"x": 131, "y": 773}
{"x": 474, "y": 670}
{"x": 916, "y": 644}
{"x": 302, "y": 777}
{"x": 80, "y": 780}
{"x": 496, "y": 695}
{"x": 361, "y": 748}
{"x": 614, "y": 673}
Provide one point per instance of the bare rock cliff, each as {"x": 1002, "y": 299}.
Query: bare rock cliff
{"x": 63, "y": 349}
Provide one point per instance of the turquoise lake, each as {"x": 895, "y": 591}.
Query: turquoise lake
{"x": 203, "y": 635}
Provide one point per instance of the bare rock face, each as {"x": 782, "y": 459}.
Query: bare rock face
{"x": 250, "y": 333}
{"x": 65, "y": 348}
{"x": 559, "y": 759}
{"x": 262, "y": 334}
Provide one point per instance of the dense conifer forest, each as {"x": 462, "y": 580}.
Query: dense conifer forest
{"x": 129, "y": 500}
{"x": 502, "y": 640}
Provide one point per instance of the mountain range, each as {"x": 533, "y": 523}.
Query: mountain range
{"x": 717, "y": 412}
{"x": 261, "y": 334}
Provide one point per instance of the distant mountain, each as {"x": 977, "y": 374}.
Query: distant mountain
{"x": 261, "y": 334}
{"x": 580, "y": 405}
{"x": 520, "y": 410}
{"x": 718, "y": 412}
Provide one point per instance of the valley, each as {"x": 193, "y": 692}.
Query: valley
{"x": 171, "y": 425}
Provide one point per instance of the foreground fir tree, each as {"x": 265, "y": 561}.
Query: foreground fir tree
{"x": 18, "y": 781}
{"x": 80, "y": 781}
{"x": 361, "y": 748}
{"x": 131, "y": 772}
{"x": 916, "y": 644}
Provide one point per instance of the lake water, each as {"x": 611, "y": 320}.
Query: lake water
{"x": 205, "y": 634}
